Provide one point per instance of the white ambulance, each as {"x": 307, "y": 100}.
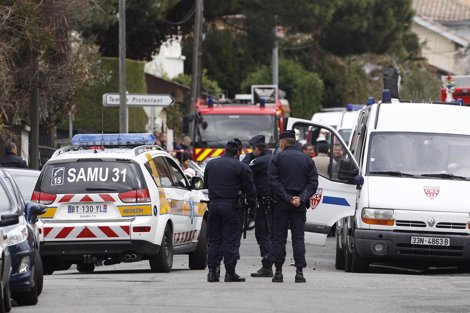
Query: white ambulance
{"x": 115, "y": 198}
{"x": 399, "y": 194}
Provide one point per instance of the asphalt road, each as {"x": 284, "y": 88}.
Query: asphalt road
{"x": 125, "y": 288}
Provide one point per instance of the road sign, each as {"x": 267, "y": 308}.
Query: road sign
{"x": 138, "y": 100}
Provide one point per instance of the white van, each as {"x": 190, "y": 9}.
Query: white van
{"x": 399, "y": 194}
{"x": 342, "y": 119}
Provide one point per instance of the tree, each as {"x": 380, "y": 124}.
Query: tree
{"x": 362, "y": 26}
{"x": 146, "y": 27}
{"x": 303, "y": 89}
{"x": 42, "y": 29}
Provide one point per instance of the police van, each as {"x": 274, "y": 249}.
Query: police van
{"x": 342, "y": 119}
{"x": 399, "y": 194}
{"x": 115, "y": 198}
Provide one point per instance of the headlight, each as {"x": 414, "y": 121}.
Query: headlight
{"x": 377, "y": 216}
{"x": 17, "y": 235}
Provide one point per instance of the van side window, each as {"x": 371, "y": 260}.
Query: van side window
{"x": 359, "y": 137}
{"x": 179, "y": 179}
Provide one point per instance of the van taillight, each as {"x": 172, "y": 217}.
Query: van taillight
{"x": 135, "y": 196}
{"x": 43, "y": 198}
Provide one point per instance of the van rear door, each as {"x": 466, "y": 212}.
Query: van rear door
{"x": 335, "y": 197}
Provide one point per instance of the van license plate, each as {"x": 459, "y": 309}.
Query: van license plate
{"x": 87, "y": 208}
{"x": 430, "y": 241}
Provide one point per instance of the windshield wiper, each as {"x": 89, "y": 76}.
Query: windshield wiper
{"x": 445, "y": 175}
{"x": 393, "y": 173}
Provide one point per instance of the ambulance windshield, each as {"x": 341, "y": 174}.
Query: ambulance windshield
{"x": 445, "y": 156}
{"x": 91, "y": 176}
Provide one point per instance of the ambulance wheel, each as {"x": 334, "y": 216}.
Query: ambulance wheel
{"x": 340, "y": 257}
{"x": 47, "y": 266}
{"x": 162, "y": 262}
{"x": 198, "y": 258}
{"x": 85, "y": 268}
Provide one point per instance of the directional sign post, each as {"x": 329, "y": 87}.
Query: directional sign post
{"x": 138, "y": 100}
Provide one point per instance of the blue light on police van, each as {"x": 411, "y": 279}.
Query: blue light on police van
{"x": 353, "y": 107}
{"x": 386, "y": 96}
{"x": 113, "y": 139}
{"x": 370, "y": 101}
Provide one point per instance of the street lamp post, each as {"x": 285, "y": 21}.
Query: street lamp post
{"x": 123, "y": 118}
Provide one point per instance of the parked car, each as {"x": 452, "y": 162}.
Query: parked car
{"x": 26, "y": 278}
{"x": 25, "y": 179}
{"x": 6, "y": 219}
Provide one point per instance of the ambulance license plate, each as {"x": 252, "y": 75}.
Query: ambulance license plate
{"x": 430, "y": 241}
{"x": 87, "y": 208}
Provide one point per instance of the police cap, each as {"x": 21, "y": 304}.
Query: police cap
{"x": 233, "y": 144}
{"x": 256, "y": 140}
{"x": 287, "y": 134}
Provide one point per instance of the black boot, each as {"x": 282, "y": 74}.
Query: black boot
{"x": 233, "y": 277}
{"x": 212, "y": 276}
{"x": 265, "y": 271}
{"x": 299, "y": 276}
{"x": 217, "y": 271}
{"x": 278, "y": 278}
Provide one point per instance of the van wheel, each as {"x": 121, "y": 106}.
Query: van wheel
{"x": 39, "y": 273}
{"x": 347, "y": 255}
{"x": 86, "y": 268}
{"x": 162, "y": 262}
{"x": 26, "y": 298}
{"x": 340, "y": 255}
{"x": 198, "y": 258}
{"x": 359, "y": 264}
{"x": 7, "y": 298}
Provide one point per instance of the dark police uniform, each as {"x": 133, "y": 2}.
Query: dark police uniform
{"x": 263, "y": 219}
{"x": 225, "y": 178}
{"x": 291, "y": 173}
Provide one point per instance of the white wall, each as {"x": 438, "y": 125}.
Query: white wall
{"x": 169, "y": 62}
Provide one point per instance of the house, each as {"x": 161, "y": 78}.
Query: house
{"x": 443, "y": 27}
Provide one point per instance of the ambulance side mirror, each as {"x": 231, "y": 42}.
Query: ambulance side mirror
{"x": 197, "y": 183}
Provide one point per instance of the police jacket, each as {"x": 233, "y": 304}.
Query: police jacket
{"x": 259, "y": 166}
{"x": 12, "y": 160}
{"x": 226, "y": 177}
{"x": 292, "y": 173}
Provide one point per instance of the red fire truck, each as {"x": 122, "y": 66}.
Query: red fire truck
{"x": 218, "y": 121}
{"x": 456, "y": 88}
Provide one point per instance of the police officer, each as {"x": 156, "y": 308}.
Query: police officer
{"x": 294, "y": 179}
{"x": 225, "y": 178}
{"x": 259, "y": 160}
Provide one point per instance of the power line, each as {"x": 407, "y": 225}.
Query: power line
{"x": 186, "y": 18}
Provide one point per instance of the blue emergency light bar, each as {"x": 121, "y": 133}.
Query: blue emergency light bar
{"x": 133, "y": 139}
{"x": 354, "y": 107}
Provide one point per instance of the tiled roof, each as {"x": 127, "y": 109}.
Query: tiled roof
{"x": 443, "y": 10}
